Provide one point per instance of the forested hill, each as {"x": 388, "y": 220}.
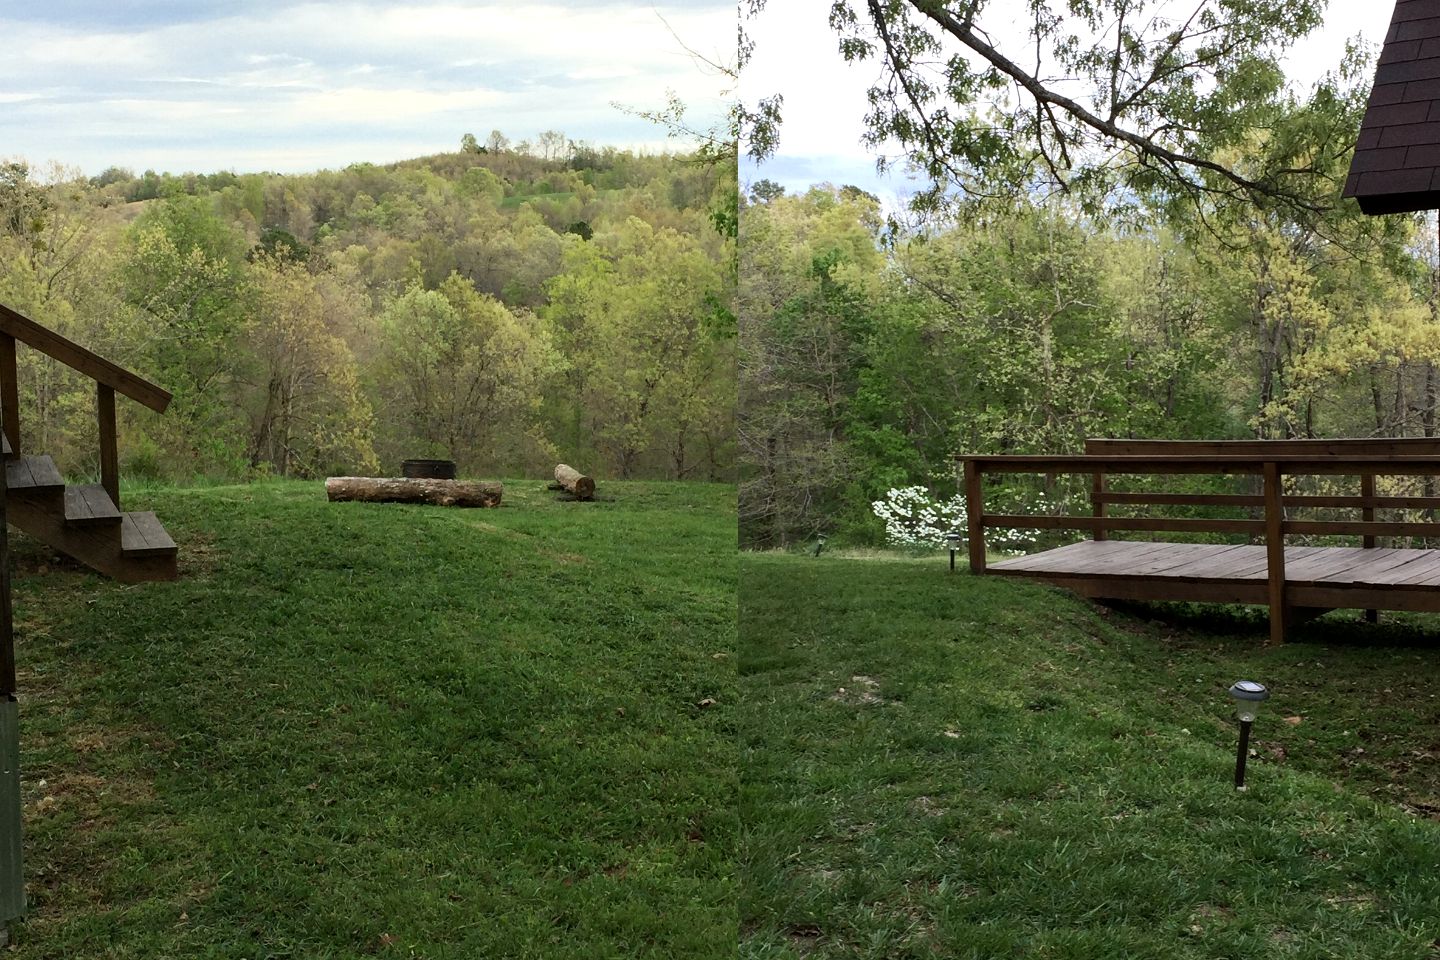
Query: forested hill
{"x": 871, "y": 358}
{"x": 503, "y": 307}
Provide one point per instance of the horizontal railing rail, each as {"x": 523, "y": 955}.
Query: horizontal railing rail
{"x": 109, "y": 378}
{"x": 1270, "y": 460}
{"x": 73, "y": 355}
{"x": 1345, "y": 446}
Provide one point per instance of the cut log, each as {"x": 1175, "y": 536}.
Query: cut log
{"x": 574, "y": 481}
{"x": 442, "y": 493}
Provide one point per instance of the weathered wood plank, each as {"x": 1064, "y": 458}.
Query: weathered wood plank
{"x": 1354, "y": 528}
{"x": 1219, "y": 465}
{"x": 19, "y": 327}
{"x": 9, "y": 393}
{"x": 32, "y": 473}
{"x": 975, "y": 517}
{"x": 89, "y": 504}
{"x": 1160, "y": 524}
{"x": 1097, "y": 503}
{"x": 141, "y": 535}
{"x": 1275, "y": 550}
{"x": 1347, "y": 446}
{"x": 109, "y": 449}
{"x": 1188, "y": 499}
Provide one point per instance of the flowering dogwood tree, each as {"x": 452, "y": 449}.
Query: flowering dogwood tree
{"x": 914, "y": 518}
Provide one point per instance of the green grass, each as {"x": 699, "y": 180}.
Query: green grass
{"x": 519, "y": 200}
{"x": 961, "y": 767}
{"x": 360, "y": 730}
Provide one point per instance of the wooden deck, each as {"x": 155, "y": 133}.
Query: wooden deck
{"x": 1315, "y": 577}
{"x": 1295, "y": 582}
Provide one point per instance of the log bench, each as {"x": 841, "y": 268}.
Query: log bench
{"x": 1295, "y": 582}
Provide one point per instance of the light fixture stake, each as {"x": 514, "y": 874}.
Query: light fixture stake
{"x": 1248, "y": 696}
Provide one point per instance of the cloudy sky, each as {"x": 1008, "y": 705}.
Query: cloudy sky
{"x": 201, "y": 85}
{"x": 795, "y": 55}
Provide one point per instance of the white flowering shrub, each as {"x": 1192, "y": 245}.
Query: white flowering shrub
{"x": 913, "y": 518}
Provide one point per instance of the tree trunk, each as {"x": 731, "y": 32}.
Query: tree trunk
{"x": 574, "y": 481}
{"x": 443, "y": 493}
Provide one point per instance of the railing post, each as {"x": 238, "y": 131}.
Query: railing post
{"x": 1275, "y": 550}
{"x": 1097, "y": 504}
{"x": 9, "y": 393}
{"x": 1367, "y": 514}
{"x": 974, "y": 514}
{"x": 109, "y": 449}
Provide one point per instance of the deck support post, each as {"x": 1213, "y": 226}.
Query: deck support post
{"x": 1367, "y": 514}
{"x": 1097, "y": 504}
{"x": 1275, "y": 550}
{"x": 9, "y": 393}
{"x": 974, "y": 516}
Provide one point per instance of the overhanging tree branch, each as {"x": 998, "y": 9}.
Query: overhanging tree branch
{"x": 1174, "y": 160}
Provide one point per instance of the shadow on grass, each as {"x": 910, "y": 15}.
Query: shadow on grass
{"x": 1340, "y": 628}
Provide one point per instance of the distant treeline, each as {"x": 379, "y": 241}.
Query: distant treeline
{"x": 505, "y": 308}
{"x": 871, "y": 355}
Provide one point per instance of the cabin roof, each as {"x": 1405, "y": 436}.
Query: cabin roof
{"x": 1396, "y": 168}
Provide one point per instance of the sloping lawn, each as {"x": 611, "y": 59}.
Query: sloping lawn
{"x": 951, "y": 766}
{"x": 360, "y": 730}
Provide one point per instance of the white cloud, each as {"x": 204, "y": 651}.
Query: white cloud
{"x": 394, "y": 76}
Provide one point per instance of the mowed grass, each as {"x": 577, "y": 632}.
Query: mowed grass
{"x": 359, "y": 730}
{"x": 962, "y": 767}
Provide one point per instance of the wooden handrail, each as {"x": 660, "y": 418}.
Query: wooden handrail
{"x": 1345, "y": 446}
{"x": 109, "y": 379}
{"x": 73, "y": 355}
{"x": 1304, "y": 464}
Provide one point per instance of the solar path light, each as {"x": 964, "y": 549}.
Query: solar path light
{"x": 952, "y": 540}
{"x": 819, "y": 544}
{"x": 1248, "y": 696}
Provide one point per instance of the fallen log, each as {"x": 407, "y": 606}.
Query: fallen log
{"x": 574, "y": 482}
{"x": 442, "y": 493}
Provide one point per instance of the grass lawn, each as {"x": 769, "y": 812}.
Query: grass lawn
{"x": 962, "y": 767}
{"x": 359, "y": 730}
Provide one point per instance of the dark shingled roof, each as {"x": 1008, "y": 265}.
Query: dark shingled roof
{"x": 1397, "y": 158}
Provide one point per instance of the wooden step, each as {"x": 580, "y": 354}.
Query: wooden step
{"x": 89, "y": 505}
{"x": 141, "y": 535}
{"x": 33, "y": 473}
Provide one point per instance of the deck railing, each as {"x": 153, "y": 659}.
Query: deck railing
{"x": 109, "y": 380}
{"x": 1271, "y": 463}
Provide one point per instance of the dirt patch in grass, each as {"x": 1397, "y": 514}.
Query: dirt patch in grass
{"x": 860, "y": 691}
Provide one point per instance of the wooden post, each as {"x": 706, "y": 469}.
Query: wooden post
{"x": 974, "y": 512}
{"x": 1275, "y": 550}
{"x": 109, "y": 450}
{"x": 9, "y": 394}
{"x": 7, "y": 622}
{"x": 1367, "y": 513}
{"x": 1097, "y": 503}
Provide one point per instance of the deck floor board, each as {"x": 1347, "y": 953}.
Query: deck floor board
{"x": 1392, "y": 569}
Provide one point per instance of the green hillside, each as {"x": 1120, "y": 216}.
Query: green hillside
{"x": 378, "y": 730}
{"x": 960, "y": 767}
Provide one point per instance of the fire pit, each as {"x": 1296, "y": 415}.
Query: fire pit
{"x": 429, "y": 469}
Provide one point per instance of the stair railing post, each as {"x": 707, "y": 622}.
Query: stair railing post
{"x": 1275, "y": 549}
{"x": 974, "y": 516}
{"x": 109, "y": 448}
{"x": 9, "y": 393}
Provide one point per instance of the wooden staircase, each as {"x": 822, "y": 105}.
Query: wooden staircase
{"x": 85, "y": 521}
